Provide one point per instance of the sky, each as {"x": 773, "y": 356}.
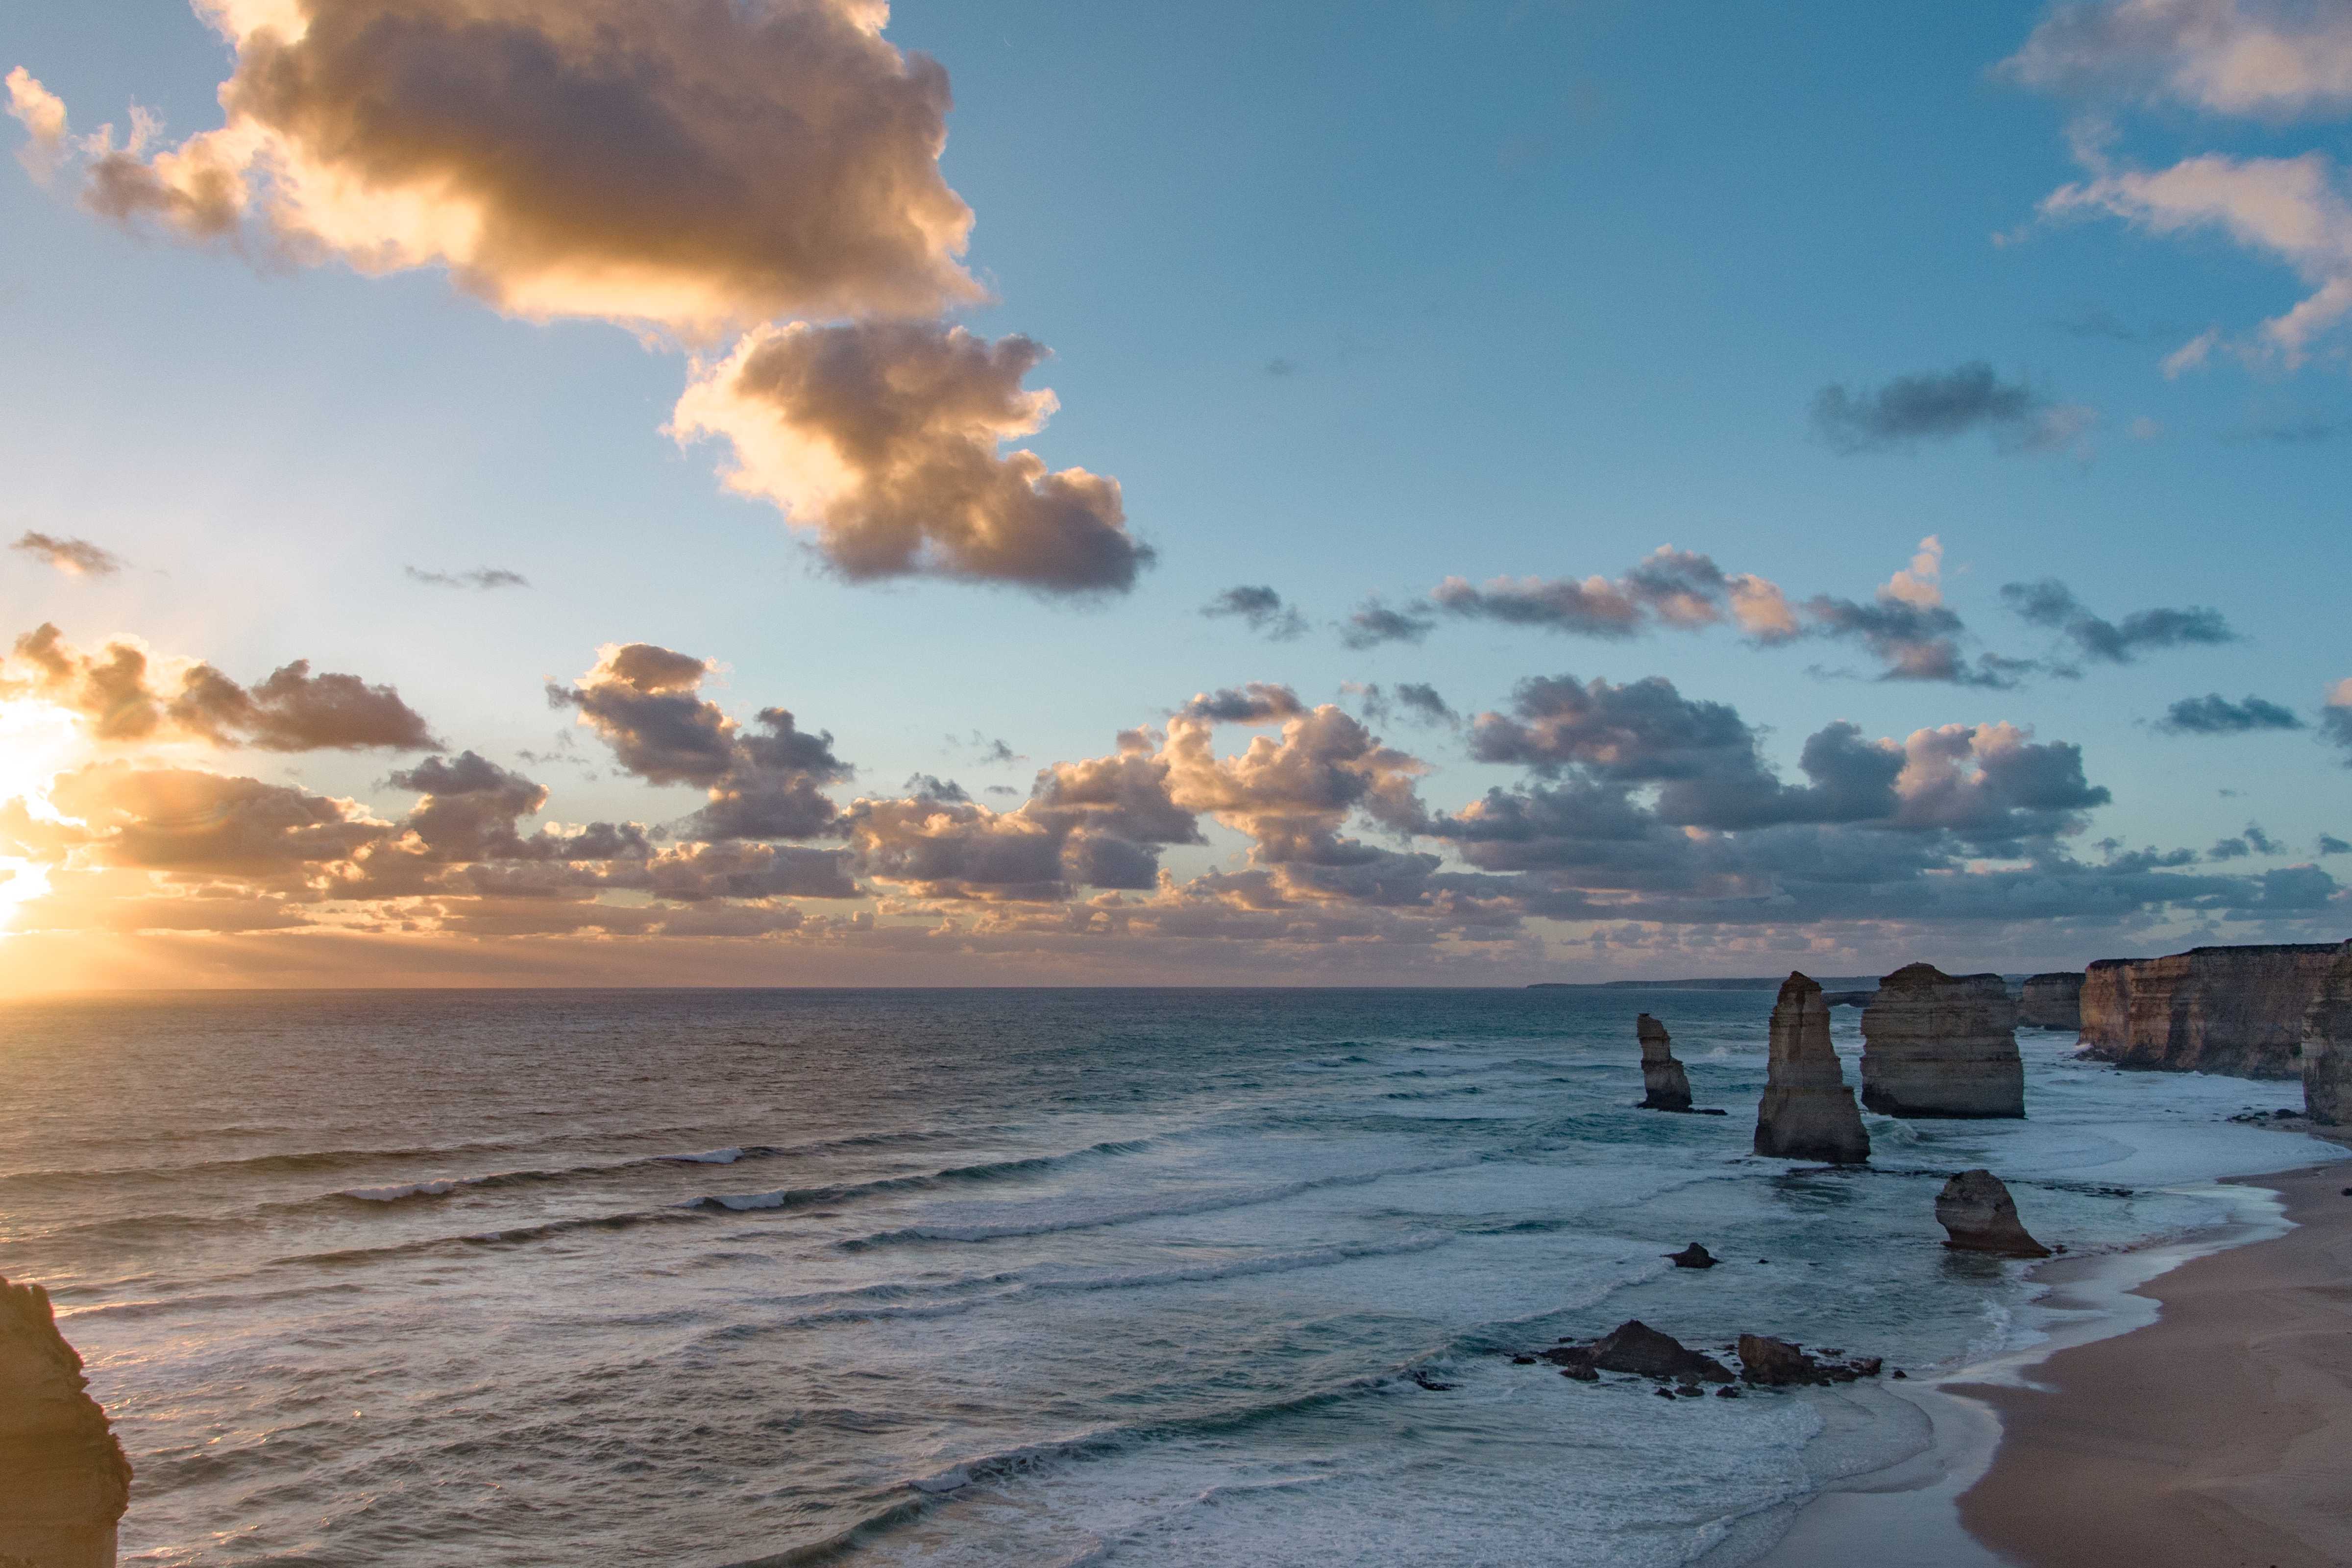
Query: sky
{"x": 1445, "y": 491}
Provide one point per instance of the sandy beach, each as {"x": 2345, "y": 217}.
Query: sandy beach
{"x": 2218, "y": 1436}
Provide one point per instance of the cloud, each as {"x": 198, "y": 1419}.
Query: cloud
{"x": 2335, "y": 717}
{"x": 1669, "y": 587}
{"x": 43, "y": 115}
{"x": 128, "y": 695}
{"x": 1372, "y": 623}
{"x": 763, "y": 780}
{"x": 2052, "y": 604}
{"x": 2331, "y": 845}
{"x": 2269, "y": 59}
{"x": 184, "y": 820}
{"x": 882, "y": 440}
{"x": 700, "y": 166}
{"x": 481, "y": 577}
{"x": 74, "y": 557}
{"x": 1909, "y": 629}
{"x": 1259, "y": 702}
{"x": 1420, "y": 701}
{"x": 2295, "y": 431}
{"x": 1260, "y": 609}
{"x": 2295, "y": 210}
{"x": 2216, "y": 715}
{"x": 1940, "y": 405}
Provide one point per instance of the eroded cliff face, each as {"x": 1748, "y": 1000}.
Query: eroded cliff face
{"x": 1941, "y": 1044}
{"x": 1664, "y": 1085}
{"x": 64, "y": 1482}
{"x": 2327, "y": 1045}
{"x": 2052, "y": 1001}
{"x": 1807, "y": 1113}
{"x": 2237, "y": 1010}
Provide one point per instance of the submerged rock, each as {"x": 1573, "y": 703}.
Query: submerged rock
{"x": 2237, "y": 1010}
{"x": 1979, "y": 1215}
{"x": 64, "y": 1482}
{"x": 2051, "y": 1001}
{"x": 1664, "y": 1085}
{"x": 1941, "y": 1044}
{"x": 2327, "y": 1045}
{"x": 1807, "y": 1113}
{"x": 1632, "y": 1346}
{"x": 1693, "y": 1256}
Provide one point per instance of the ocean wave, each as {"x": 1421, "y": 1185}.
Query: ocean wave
{"x": 953, "y": 1175}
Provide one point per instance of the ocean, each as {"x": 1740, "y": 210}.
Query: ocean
{"x": 948, "y": 1277}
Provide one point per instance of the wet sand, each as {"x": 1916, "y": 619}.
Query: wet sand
{"x": 2219, "y": 1435}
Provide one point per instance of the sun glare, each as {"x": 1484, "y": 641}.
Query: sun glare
{"x": 37, "y": 741}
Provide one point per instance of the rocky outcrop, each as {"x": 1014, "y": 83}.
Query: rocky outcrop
{"x": 2327, "y": 1045}
{"x": 64, "y": 1482}
{"x": 1768, "y": 1362}
{"x": 2237, "y": 1010}
{"x": 1979, "y": 1215}
{"x": 1693, "y": 1256}
{"x": 1632, "y": 1346}
{"x": 1940, "y": 1045}
{"x": 1807, "y": 1113}
{"x": 2052, "y": 1001}
{"x": 1664, "y": 1085}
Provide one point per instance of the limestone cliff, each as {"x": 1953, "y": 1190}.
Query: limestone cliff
{"x": 2052, "y": 1001}
{"x": 64, "y": 1482}
{"x": 2327, "y": 1045}
{"x": 1940, "y": 1045}
{"x": 1807, "y": 1113}
{"x": 2235, "y": 1010}
{"x": 1664, "y": 1085}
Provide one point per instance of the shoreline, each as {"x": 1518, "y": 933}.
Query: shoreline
{"x": 1994, "y": 1479}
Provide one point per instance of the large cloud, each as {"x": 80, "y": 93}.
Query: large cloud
{"x": 2270, "y": 59}
{"x": 883, "y": 441}
{"x": 129, "y": 695}
{"x": 695, "y": 164}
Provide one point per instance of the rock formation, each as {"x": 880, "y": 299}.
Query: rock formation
{"x": 2052, "y": 1001}
{"x": 2327, "y": 1045}
{"x": 2235, "y": 1010}
{"x": 1938, "y": 1045}
{"x": 1768, "y": 1363}
{"x": 1632, "y": 1346}
{"x": 1979, "y": 1215}
{"x": 64, "y": 1482}
{"x": 1807, "y": 1113}
{"x": 1664, "y": 1085}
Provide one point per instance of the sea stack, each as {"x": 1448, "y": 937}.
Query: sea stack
{"x": 2237, "y": 1010}
{"x": 1664, "y": 1085}
{"x": 64, "y": 1482}
{"x": 2327, "y": 1045}
{"x": 1979, "y": 1215}
{"x": 1940, "y": 1045}
{"x": 2052, "y": 1001}
{"x": 1808, "y": 1112}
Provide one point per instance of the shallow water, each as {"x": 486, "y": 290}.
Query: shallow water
{"x": 944, "y": 1278}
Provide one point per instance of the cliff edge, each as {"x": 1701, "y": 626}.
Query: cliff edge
{"x": 64, "y": 1482}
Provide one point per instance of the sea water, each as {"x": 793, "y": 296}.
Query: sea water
{"x": 936, "y": 1278}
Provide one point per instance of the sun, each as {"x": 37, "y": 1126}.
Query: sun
{"x": 39, "y": 740}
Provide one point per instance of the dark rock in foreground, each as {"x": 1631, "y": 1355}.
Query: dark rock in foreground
{"x": 1693, "y": 1256}
{"x": 1768, "y": 1362}
{"x": 2051, "y": 1001}
{"x": 1807, "y": 1112}
{"x": 64, "y": 1482}
{"x": 1634, "y": 1347}
{"x": 1979, "y": 1215}
{"x": 1664, "y": 1085}
{"x": 1940, "y": 1045}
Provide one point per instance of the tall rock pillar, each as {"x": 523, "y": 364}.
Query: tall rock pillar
{"x": 64, "y": 1482}
{"x": 2327, "y": 1045}
{"x": 1664, "y": 1085}
{"x": 1937, "y": 1045}
{"x": 1808, "y": 1112}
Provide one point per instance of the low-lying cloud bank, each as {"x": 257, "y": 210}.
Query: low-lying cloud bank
{"x": 1641, "y": 818}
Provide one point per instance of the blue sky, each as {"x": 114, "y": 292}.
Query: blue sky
{"x": 1349, "y": 300}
